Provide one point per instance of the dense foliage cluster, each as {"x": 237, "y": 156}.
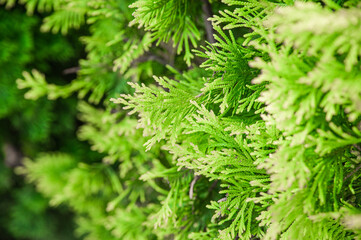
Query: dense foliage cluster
{"x": 236, "y": 119}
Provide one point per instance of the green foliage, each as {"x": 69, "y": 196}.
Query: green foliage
{"x": 256, "y": 136}
{"x": 28, "y": 127}
{"x": 175, "y": 20}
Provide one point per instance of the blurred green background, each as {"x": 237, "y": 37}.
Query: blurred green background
{"x": 28, "y": 127}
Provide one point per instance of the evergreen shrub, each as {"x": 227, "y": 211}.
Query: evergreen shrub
{"x": 236, "y": 120}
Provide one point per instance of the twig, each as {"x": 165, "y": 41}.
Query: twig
{"x": 195, "y": 179}
{"x": 199, "y": 95}
{"x": 207, "y": 10}
{"x": 151, "y": 57}
{"x": 12, "y": 155}
{"x": 222, "y": 200}
{"x": 212, "y": 186}
{"x": 71, "y": 70}
{"x": 357, "y": 147}
{"x": 352, "y": 173}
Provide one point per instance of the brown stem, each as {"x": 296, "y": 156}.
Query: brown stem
{"x": 71, "y": 70}
{"x": 352, "y": 173}
{"x": 212, "y": 186}
{"x": 207, "y": 10}
{"x": 195, "y": 179}
{"x": 151, "y": 57}
{"x": 12, "y": 155}
{"x": 358, "y": 147}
